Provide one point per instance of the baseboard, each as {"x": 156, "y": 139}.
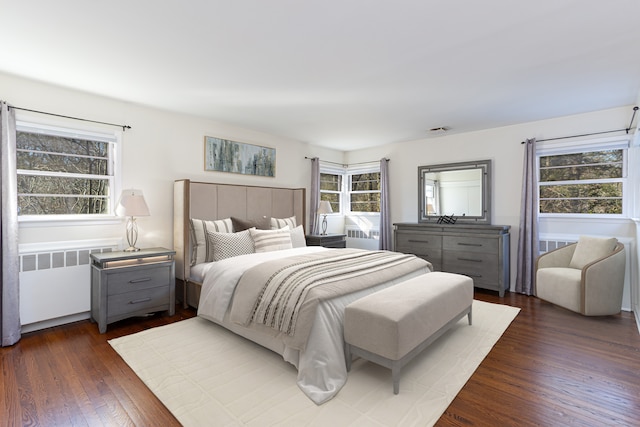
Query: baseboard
{"x": 50, "y": 323}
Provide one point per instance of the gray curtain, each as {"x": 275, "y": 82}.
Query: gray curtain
{"x": 528, "y": 246}
{"x": 386, "y": 233}
{"x": 10, "y": 287}
{"x": 314, "y": 196}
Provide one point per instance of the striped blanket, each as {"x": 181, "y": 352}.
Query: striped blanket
{"x": 283, "y": 294}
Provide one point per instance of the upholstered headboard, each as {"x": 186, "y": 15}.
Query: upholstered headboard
{"x": 211, "y": 201}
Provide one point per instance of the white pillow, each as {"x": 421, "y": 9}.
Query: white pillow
{"x": 227, "y": 245}
{"x": 298, "y": 239}
{"x": 271, "y": 240}
{"x": 277, "y": 223}
{"x": 200, "y": 248}
{"x": 590, "y": 249}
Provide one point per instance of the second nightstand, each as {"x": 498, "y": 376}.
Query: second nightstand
{"x": 327, "y": 240}
{"x": 127, "y": 284}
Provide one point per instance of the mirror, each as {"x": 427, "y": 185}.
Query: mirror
{"x": 459, "y": 189}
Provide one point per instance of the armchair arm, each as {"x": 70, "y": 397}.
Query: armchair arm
{"x": 560, "y": 257}
{"x": 603, "y": 284}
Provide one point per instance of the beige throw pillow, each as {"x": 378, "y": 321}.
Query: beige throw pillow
{"x": 277, "y": 223}
{"x": 590, "y": 249}
{"x": 271, "y": 240}
{"x": 201, "y": 251}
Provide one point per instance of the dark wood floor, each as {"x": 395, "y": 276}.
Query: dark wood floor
{"x": 550, "y": 368}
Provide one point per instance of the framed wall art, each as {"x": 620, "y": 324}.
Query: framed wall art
{"x": 223, "y": 155}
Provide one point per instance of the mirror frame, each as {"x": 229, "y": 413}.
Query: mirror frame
{"x": 484, "y": 165}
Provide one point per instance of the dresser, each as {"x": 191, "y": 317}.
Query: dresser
{"x": 327, "y": 240}
{"x": 127, "y": 284}
{"x": 478, "y": 251}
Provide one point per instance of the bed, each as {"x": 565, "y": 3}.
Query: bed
{"x": 230, "y": 291}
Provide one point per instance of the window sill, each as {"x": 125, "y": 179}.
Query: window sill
{"x": 67, "y": 221}
{"x": 582, "y": 218}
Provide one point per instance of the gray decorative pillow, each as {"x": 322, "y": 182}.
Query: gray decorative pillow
{"x": 227, "y": 245}
{"x": 245, "y": 224}
{"x": 271, "y": 240}
{"x": 277, "y": 223}
{"x": 590, "y": 249}
{"x": 200, "y": 248}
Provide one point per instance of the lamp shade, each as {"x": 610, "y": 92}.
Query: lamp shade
{"x": 132, "y": 204}
{"x": 324, "y": 207}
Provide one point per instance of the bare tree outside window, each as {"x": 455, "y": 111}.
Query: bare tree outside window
{"x": 582, "y": 183}
{"x": 60, "y": 175}
{"x": 365, "y": 192}
{"x": 331, "y": 189}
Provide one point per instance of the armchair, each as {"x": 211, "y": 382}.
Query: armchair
{"x": 586, "y": 277}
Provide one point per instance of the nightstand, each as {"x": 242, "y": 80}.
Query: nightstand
{"x": 327, "y": 240}
{"x": 127, "y": 284}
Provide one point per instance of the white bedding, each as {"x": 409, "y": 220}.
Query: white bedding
{"x": 321, "y": 366}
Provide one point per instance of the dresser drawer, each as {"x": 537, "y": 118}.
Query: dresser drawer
{"x": 470, "y": 244}
{"x": 130, "y": 302}
{"x": 134, "y": 278}
{"x": 417, "y": 243}
{"x": 481, "y": 267}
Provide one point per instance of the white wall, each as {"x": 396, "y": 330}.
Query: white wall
{"x": 503, "y": 146}
{"x": 162, "y": 147}
{"x": 159, "y": 148}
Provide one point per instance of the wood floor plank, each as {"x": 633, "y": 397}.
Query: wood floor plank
{"x": 551, "y": 367}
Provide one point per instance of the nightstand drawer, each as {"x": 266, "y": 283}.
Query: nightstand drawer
{"x": 130, "y": 302}
{"x": 327, "y": 240}
{"x": 129, "y": 279}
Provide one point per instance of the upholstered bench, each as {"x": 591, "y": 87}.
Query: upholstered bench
{"x": 392, "y": 326}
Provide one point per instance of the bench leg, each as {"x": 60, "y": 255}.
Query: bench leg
{"x": 395, "y": 376}
{"x": 469, "y": 317}
{"x": 347, "y": 356}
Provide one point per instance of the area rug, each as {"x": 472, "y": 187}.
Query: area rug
{"x": 207, "y": 376}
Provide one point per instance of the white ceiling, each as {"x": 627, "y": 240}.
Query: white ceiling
{"x": 344, "y": 74}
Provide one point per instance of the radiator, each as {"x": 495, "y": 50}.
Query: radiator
{"x": 55, "y": 281}
{"x": 551, "y": 242}
{"x": 362, "y": 238}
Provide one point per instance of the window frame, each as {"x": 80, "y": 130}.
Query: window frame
{"x": 345, "y": 192}
{"x": 67, "y": 129}
{"x": 359, "y": 170}
{"x": 333, "y": 170}
{"x": 545, "y": 149}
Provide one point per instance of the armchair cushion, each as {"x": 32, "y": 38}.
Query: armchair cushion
{"x": 590, "y": 249}
{"x": 560, "y": 285}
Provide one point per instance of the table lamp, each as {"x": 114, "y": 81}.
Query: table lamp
{"x": 132, "y": 204}
{"x": 323, "y": 209}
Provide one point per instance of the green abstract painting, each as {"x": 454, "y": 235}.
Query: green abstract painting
{"x": 224, "y": 155}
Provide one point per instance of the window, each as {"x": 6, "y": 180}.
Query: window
{"x": 331, "y": 189}
{"x": 351, "y": 189}
{"x": 65, "y": 173}
{"x": 364, "y": 193}
{"x": 587, "y": 180}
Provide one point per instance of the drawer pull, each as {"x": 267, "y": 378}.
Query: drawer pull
{"x": 469, "y": 259}
{"x": 418, "y": 241}
{"x": 473, "y": 275}
{"x": 144, "y": 279}
{"x": 470, "y": 244}
{"x": 138, "y": 301}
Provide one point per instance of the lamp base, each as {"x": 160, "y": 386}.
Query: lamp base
{"x": 132, "y": 249}
{"x": 324, "y": 226}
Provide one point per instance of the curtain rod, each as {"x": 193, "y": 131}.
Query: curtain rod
{"x": 344, "y": 164}
{"x": 635, "y": 109}
{"x": 124, "y": 127}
